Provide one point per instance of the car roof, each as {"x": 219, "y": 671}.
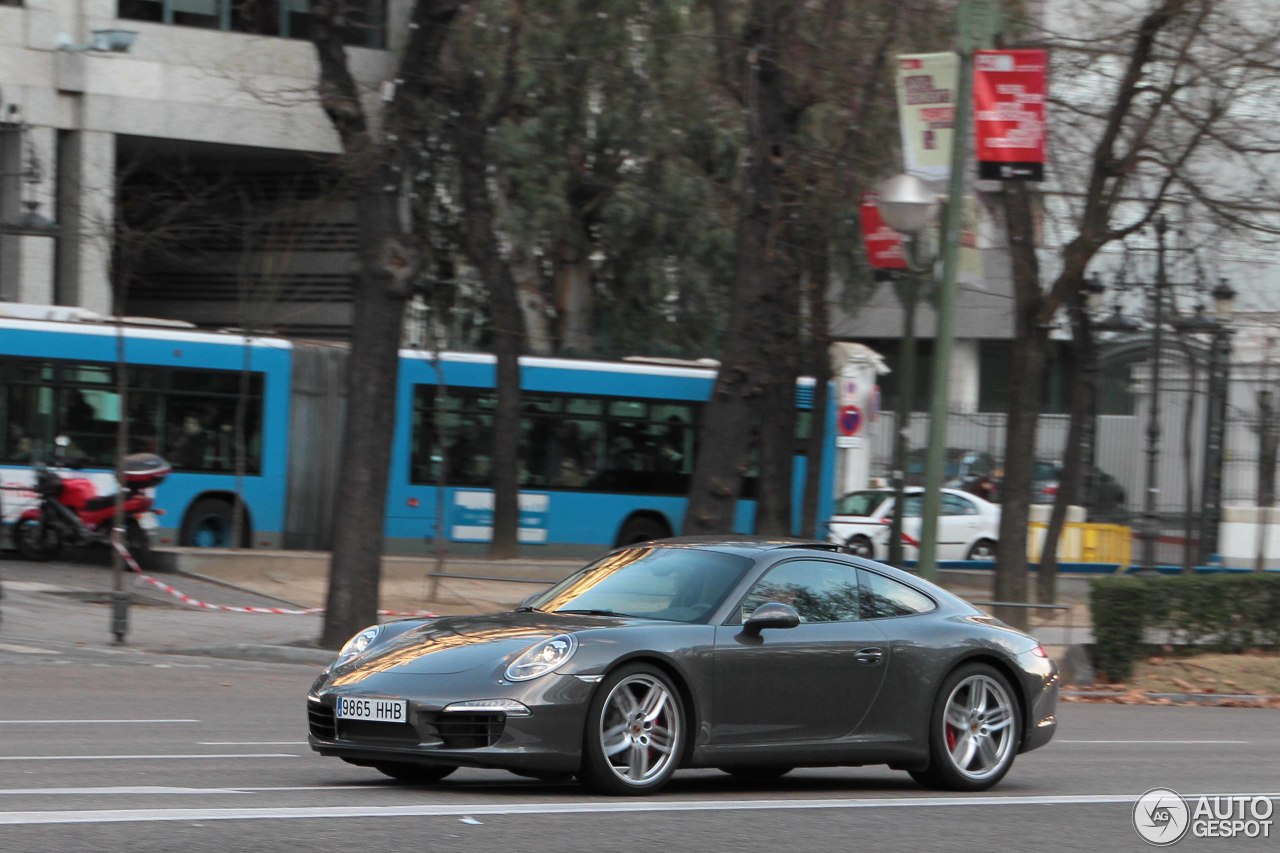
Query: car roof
{"x": 740, "y": 544}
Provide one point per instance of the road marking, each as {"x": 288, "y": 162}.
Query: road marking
{"x": 593, "y": 807}
{"x": 80, "y": 722}
{"x": 141, "y": 756}
{"x": 26, "y": 650}
{"x": 137, "y": 789}
{"x": 1154, "y": 741}
{"x": 252, "y": 743}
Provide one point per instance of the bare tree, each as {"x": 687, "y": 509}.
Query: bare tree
{"x": 1153, "y": 106}
{"x": 372, "y": 164}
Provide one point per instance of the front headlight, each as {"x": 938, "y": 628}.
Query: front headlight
{"x": 546, "y": 656}
{"x": 357, "y": 644}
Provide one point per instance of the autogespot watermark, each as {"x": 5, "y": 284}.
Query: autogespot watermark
{"x": 1163, "y": 816}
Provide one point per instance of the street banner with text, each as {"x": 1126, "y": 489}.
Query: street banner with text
{"x": 927, "y": 112}
{"x": 1008, "y": 113}
{"x": 884, "y": 245}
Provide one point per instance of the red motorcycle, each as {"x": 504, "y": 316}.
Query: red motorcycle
{"x": 71, "y": 512}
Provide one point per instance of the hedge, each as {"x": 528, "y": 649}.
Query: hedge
{"x": 1212, "y": 612}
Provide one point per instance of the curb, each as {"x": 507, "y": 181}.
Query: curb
{"x": 259, "y": 652}
{"x": 1177, "y": 698}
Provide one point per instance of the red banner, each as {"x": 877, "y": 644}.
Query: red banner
{"x": 884, "y": 245}
{"x": 1008, "y": 113}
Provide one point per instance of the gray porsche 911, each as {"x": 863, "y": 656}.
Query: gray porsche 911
{"x": 754, "y": 656}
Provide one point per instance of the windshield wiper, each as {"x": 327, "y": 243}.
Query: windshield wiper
{"x": 527, "y": 609}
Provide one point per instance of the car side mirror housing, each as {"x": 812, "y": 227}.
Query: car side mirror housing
{"x": 771, "y": 614}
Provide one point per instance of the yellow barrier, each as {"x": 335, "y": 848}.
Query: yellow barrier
{"x": 1084, "y": 543}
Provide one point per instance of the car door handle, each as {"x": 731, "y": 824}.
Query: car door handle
{"x": 869, "y": 656}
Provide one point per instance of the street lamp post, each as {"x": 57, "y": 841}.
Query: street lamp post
{"x": 908, "y": 206}
{"x": 1150, "y": 514}
{"x": 1215, "y": 422}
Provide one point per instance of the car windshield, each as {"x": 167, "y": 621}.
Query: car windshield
{"x": 860, "y": 503}
{"x": 676, "y": 584}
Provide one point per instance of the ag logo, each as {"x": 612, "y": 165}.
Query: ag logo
{"x": 1161, "y": 816}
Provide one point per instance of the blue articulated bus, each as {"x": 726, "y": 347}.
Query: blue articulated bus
{"x": 187, "y": 391}
{"x": 607, "y": 451}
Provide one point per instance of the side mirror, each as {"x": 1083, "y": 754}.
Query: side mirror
{"x": 771, "y": 614}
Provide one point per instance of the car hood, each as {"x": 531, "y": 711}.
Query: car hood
{"x": 460, "y": 643}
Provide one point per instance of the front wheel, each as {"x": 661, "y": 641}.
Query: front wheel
{"x": 974, "y": 731}
{"x": 634, "y": 732}
{"x": 408, "y": 773}
{"x": 36, "y": 540}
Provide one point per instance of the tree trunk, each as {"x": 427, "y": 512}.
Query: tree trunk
{"x": 387, "y": 263}
{"x": 1074, "y": 456}
{"x": 1026, "y": 374}
{"x": 758, "y": 364}
{"x": 485, "y": 251}
{"x": 355, "y": 573}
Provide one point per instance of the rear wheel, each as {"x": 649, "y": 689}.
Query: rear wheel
{"x": 974, "y": 731}
{"x": 209, "y": 524}
{"x": 641, "y": 529}
{"x": 983, "y": 549}
{"x": 138, "y": 541}
{"x": 634, "y": 733}
{"x": 414, "y": 774}
{"x": 36, "y": 540}
{"x": 860, "y": 546}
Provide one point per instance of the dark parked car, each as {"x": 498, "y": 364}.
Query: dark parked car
{"x": 961, "y": 469}
{"x": 1105, "y": 498}
{"x": 754, "y": 656}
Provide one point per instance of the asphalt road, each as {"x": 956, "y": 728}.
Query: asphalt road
{"x": 107, "y": 749}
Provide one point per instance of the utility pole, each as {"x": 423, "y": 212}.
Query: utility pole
{"x": 978, "y": 21}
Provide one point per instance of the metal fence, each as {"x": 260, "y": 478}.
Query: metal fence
{"x": 1121, "y": 449}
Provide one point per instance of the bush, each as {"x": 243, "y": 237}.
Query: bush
{"x": 1213, "y": 612}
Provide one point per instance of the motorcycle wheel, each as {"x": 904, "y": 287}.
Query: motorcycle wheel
{"x": 36, "y": 540}
{"x": 138, "y": 543}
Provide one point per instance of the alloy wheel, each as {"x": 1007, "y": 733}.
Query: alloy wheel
{"x": 978, "y": 727}
{"x": 640, "y": 729}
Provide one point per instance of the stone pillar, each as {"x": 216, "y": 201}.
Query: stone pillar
{"x": 86, "y": 213}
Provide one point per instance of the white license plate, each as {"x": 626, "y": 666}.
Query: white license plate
{"x": 377, "y": 710}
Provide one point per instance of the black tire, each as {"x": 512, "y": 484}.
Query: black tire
{"x": 983, "y": 549}
{"x": 641, "y": 529}
{"x": 999, "y": 726}
{"x": 861, "y": 546}
{"x": 758, "y": 774}
{"x": 407, "y": 773}
{"x": 638, "y": 709}
{"x": 36, "y": 540}
{"x": 209, "y": 524}
{"x": 138, "y": 541}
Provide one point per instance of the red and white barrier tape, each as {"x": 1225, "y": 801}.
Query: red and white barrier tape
{"x": 229, "y": 608}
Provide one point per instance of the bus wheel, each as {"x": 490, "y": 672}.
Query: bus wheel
{"x": 640, "y": 528}
{"x": 209, "y": 525}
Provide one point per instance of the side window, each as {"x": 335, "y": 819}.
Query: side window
{"x": 819, "y": 590}
{"x": 882, "y": 597}
{"x": 956, "y": 505}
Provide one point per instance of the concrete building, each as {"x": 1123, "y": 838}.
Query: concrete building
{"x": 200, "y": 134}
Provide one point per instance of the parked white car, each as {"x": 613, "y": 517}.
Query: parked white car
{"x": 967, "y": 524}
